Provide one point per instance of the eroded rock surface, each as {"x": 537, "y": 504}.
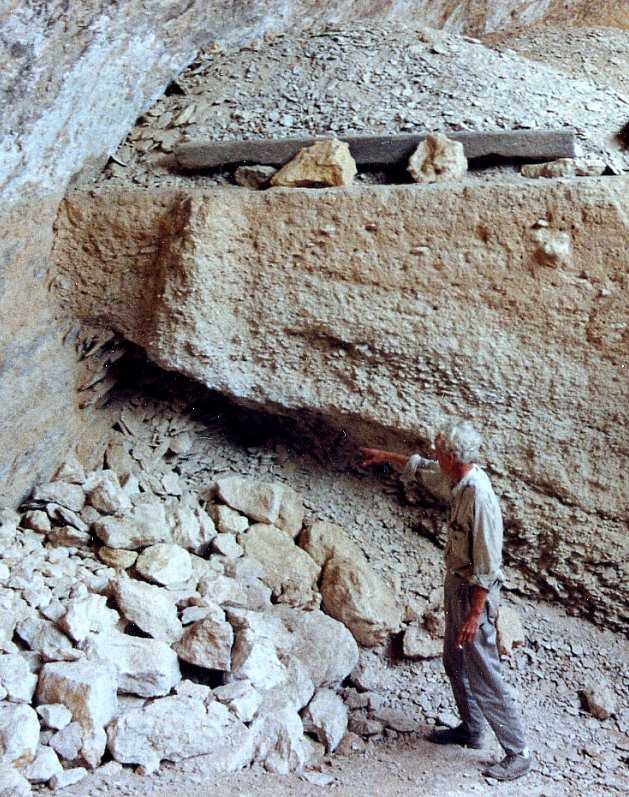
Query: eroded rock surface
{"x": 396, "y": 318}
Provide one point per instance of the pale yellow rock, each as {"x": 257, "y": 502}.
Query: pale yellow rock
{"x": 326, "y": 163}
{"x": 119, "y": 558}
{"x": 565, "y": 167}
{"x": 509, "y": 630}
{"x": 437, "y": 159}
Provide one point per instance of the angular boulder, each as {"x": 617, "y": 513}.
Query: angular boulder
{"x": 16, "y": 678}
{"x": 325, "y": 163}
{"x": 278, "y": 736}
{"x": 144, "y": 667}
{"x": 144, "y": 525}
{"x": 165, "y": 563}
{"x": 352, "y": 591}
{"x": 288, "y": 570}
{"x": 86, "y": 614}
{"x": 13, "y": 783}
{"x": 437, "y": 159}
{"x": 176, "y": 728}
{"x": 87, "y": 689}
{"x": 19, "y": 734}
{"x": 207, "y": 643}
{"x": 355, "y": 595}
{"x": 151, "y": 608}
{"x": 322, "y": 644}
{"x": 326, "y": 717}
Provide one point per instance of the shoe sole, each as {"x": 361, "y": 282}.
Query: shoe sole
{"x": 473, "y": 745}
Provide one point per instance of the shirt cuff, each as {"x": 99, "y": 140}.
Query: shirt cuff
{"x": 483, "y": 581}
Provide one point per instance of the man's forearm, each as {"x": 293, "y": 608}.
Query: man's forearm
{"x": 470, "y": 627}
{"x": 477, "y": 600}
{"x": 375, "y": 456}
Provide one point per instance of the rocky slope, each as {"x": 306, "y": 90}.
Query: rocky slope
{"x": 77, "y": 602}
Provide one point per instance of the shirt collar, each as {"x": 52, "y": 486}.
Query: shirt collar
{"x": 469, "y": 477}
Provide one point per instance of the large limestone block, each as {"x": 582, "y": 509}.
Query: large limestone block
{"x": 437, "y": 159}
{"x": 165, "y": 563}
{"x": 425, "y": 301}
{"x": 278, "y": 733}
{"x": 19, "y": 734}
{"x": 16, "y": 678}
{"x": 145, "y": 667}
{"x": 175, "y": 728}
{"x": 326, "y": 717}
{"x": 324, "y": 646}
{"x": 352, "y": 591}
{"x": 207, "y": 643}
{"x": 145, "y": 525}
{"x": 357, "y": 596}
{"x": 274, "y": 503}
{"x": 87, "y": 689}
{"x": 325, "y": 163}
{"x": 151, "y": 608}
{"x": 288, "y": 570}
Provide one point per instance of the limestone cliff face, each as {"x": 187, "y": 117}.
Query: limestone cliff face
{"x": 75, "y": 77}
{"x": 386, "y": 308}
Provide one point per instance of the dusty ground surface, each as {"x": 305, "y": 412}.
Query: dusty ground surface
{"x": 575, "y": 753}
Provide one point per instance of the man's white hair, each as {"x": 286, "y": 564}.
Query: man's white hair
{"x": 461, "y": 439}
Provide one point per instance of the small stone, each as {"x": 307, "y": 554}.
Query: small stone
{"x": 565, "y": 167}
{"x": 327, "y": 163}
{"x": 68, "y": 777}
{"x": 510, "y": 633}
{"x": 165, "y": 563}
{"x": 417, "y": 644}
{"x": 118, "y": 558}
{"x": 255, "y": 177}
{"x": 437, "y": 159}
{"x": 37, "y": 520}
{"x": 601, "y": 701}
{"x": 225, "y": 544}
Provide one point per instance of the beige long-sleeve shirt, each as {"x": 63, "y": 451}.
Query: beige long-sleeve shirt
{"x": 475, "y": 532}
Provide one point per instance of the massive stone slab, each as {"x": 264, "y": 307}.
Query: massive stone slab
{"x": 395, "y": 306}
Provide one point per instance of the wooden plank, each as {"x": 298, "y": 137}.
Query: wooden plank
{"x": 380, "y": 150}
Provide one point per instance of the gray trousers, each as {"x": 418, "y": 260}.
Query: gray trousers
{"x": 474, "y": 672}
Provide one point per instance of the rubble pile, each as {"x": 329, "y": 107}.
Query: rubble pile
{"x": 147, "y": 621}
{"x": 184, "y": 604}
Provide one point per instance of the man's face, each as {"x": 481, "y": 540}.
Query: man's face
{"x": 445, "y": 459}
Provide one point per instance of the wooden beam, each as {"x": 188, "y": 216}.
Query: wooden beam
{"x": 533, "y": 145}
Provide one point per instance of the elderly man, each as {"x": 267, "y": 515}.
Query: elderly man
{"x": 473, "y": 559}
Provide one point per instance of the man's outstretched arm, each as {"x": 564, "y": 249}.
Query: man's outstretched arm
{"x": 375, "y": 456}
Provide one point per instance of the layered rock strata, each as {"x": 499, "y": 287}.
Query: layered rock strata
{"x": 394, "y": 307}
